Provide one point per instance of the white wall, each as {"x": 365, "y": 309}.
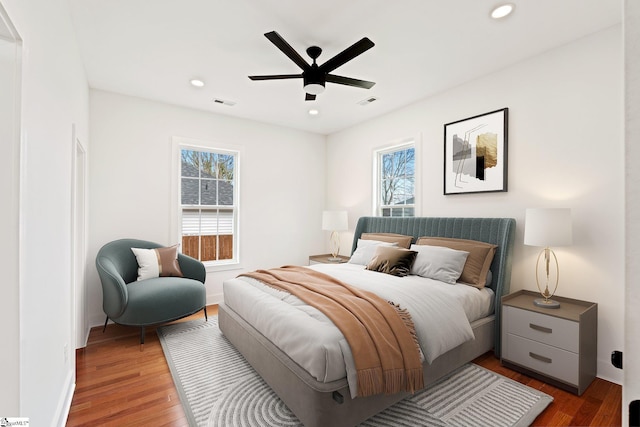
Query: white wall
{"x": 282, "y": 183}
{"x": 9, "y": 218}
{"x": 631, "y": 389}
{"x": 54, "y": 96}
{"x": 565, "y": 149}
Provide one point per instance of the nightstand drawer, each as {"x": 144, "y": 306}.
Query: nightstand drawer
{"x": 550, "y": 330}
{"x": 545, "y": 359}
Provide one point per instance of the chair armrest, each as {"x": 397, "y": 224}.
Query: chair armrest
{"x": 114, "y": 290}
{"x": 192, "y": 268}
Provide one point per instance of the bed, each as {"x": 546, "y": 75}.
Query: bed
{"x": 325, "y": 398}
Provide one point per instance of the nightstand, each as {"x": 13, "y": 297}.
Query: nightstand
{"x": 324, "y": 259}
{"x": 558, "y": 346}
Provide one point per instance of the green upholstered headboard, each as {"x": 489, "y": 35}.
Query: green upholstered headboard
{"x": 498, "y": 231}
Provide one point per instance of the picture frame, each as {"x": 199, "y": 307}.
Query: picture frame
{"x": 475, "y": 154}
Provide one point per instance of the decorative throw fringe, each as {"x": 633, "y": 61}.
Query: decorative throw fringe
{"x": 408, "y": 321}
{"x": 395, "y": 381}
{"x": 392, "y": 381}
{"x": 369, "y": 381}
{"x": 415, "y": 380}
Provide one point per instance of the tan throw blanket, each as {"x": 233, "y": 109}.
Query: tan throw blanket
{"x": 381, "y": 335}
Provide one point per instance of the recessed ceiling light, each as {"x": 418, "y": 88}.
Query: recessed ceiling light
{"x": 313, "y": 112}
{"x": 502, "y": 11}
{"x": 196, "y": 82}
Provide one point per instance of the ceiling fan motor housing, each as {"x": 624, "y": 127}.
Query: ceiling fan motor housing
{"x": 314, "y": 80}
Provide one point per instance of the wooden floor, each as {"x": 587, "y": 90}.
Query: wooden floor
{"x": 599, "y": 405}
{"x": 118, "y": 385}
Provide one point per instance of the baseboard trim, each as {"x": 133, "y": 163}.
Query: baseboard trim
{"x": 215, "y": 299}
{"x": 64, "y": 406}
{"x": 608, "y": 372}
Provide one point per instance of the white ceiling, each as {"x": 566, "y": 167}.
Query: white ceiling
{"x": 151, "y": 48}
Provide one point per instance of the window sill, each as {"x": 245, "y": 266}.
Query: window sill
{"x": 227, "y": 266}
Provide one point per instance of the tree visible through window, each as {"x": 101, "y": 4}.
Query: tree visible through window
{"x": 396, "y": 181}
{"x": 208, "y": 205}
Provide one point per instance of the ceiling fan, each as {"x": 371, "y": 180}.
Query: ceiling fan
{"x": 315, "y": 76}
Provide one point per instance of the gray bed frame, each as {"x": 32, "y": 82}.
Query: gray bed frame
{"x": 319, "y": 404}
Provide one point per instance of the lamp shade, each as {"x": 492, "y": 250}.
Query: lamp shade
{"x": 335, "y": 221}
{"x": 548, "y": 227}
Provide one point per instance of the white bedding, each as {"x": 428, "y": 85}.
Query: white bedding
{"x": 441, "y": 313}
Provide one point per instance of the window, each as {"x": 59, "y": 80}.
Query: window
{"x": 209, "y": 204}
{"x": 395, "y": 181}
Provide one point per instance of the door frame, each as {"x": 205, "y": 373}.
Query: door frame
{"x": 79, "y": 318}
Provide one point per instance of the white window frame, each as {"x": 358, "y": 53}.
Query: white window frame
{"x": 403, "y": 144}
{"x": 180, "y": 143}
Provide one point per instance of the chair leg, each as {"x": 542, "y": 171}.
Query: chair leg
{"x": 105, "y": 324}
{"x": 141, "y": 338}
{"x": 206, "y": 318}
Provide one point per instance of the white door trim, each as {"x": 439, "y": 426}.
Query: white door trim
{"x": 80, "y": 323}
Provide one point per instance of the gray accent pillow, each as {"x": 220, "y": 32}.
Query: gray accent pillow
{"x": 439, "y": 263}
{"x": 365, "y": 251}
{"x": 392, "y": 260}
{"x": 478, "y": 262}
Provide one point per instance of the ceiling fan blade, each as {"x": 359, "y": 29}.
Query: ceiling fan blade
{"x": 309, "y": 97}
{"x": 277, "y": 77}
{"x": 349, "y": 81}
{"x": 347, "y": 55}
{"x": 286, "y": 48}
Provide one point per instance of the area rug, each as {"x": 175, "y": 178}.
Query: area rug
{"x": 218, "y": 387}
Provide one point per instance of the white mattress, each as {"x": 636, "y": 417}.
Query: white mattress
{"x": 441, "y": 313}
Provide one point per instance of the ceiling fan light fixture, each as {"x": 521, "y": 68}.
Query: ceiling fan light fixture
{"x": 314, "y": 88}
{"x": 316, "y": 76}
{"x": 502, "y": 11}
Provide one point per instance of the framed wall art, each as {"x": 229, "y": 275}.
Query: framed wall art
{"x": 475, "y": 154}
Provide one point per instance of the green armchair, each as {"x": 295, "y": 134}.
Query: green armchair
{"x": 127, "y": 301}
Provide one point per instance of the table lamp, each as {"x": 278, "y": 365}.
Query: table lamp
{"x": 547, "y": 227}
{"x": 334, "y": 221}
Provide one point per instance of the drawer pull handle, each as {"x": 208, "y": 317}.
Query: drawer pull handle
{"x": 540, "y": 328}
{"x": 540, "y": 358}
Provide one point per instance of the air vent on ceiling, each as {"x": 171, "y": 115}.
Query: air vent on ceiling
{"x": 368, "y": 101}
{"x": 223, "y": 102}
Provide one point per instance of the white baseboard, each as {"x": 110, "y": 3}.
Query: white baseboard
{"x": 97, "y": 320}
{"x": 215, "y": 299}
{"x": 608, "y": 372}
{"x": 64, "y": 405}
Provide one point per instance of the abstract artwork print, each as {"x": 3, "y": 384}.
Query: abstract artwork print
{"x": 476, "y": 154}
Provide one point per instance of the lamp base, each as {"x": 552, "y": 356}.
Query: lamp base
{"x": 546, "y": 303}
{"x": 334, "y": 259}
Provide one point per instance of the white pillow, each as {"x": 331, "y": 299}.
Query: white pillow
{"x": 438, "y": 262}
{"x": 365, "y": 249}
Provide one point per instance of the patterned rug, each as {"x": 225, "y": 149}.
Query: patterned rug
{"x": 218, "y": 387}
